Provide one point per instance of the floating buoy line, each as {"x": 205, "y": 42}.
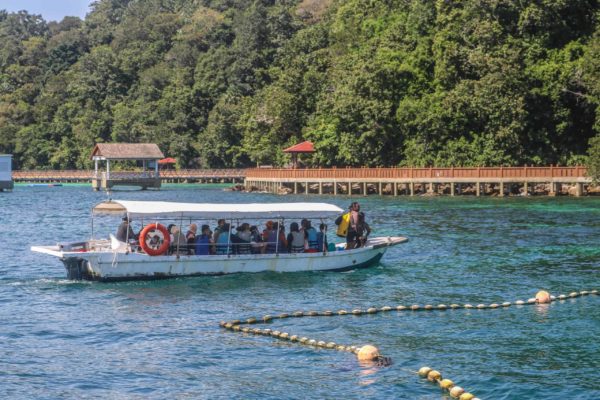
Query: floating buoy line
{"x": 370, "y": 353}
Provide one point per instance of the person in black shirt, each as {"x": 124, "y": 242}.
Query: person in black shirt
{"x": 125, "y": 232}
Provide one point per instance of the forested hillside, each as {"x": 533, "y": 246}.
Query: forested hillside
{"x": 228, "y": 83}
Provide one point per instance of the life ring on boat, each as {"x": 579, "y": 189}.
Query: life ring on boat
{"x": 151, "y": 242}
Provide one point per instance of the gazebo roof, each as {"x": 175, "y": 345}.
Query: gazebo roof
{"x": 304, "y": 147}
{"x": 127, "y": 151}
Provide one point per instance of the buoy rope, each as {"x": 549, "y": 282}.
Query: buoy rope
{"x": 239, "y": 325}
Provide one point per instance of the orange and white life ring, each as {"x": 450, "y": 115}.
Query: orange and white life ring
{"x": 155, "y": 239}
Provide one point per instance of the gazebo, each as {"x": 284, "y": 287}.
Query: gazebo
{"x": 147, "y": 153}
{"x": 304, "y": 147}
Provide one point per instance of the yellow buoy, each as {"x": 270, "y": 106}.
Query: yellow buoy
{"x": 434, "y": 376}
{"x": 367, "y": 353}
{"x": 466, "y": 396}
{"x": 543, "y": 297}
{"x": 456, "y": 391}
{"x": 424, "y": 371}
{"x": 446, "y": 384}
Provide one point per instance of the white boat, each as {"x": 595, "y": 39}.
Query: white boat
{"x": 112, "y": 260}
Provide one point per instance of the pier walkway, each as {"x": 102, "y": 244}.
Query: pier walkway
{"x": 499, "y": 181}
{"x": 174, "y": 176}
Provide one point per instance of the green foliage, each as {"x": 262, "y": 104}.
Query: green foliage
{"x": 229, "y": 83}
{"x": 593, "y": 162}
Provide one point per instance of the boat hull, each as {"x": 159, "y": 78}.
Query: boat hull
{"x": 122, "y": 266}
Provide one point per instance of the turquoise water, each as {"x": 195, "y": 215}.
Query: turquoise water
{"x": 140, "y": 340}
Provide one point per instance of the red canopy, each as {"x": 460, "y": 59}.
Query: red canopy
{"x": 167, "y": 160}
{"x": 304, "y": 147}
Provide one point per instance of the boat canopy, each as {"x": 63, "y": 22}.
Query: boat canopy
{"x": 164, "y": 209}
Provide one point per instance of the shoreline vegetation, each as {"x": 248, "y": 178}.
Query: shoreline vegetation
{"x": 228, "y": 84}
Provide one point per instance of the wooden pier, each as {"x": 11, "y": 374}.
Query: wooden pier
{"x": 499, "y": 181}
{"x": 169, "y": 176}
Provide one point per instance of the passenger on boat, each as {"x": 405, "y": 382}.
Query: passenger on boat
{"x": 310, "y": 234}
{"x": 223, "y": 242}
{"x": 322, "y": 244}
{"x": 125, "y": 232}
{"x": 256, "y": 239}
{"x": 351, "y": 236}
{"x": 218, "y": 229}
{"x": 243, "y": 239}
{"x": 295, "y": 239}
{"x": 154, "y": 242}
{"x": 204, "y": 243}
{"x": 283, "y": 243}
{"x": 274, "y": 238}
{"x": 190, "y": 238}
{"x": 363, "y": 230}
{"x": 178, "y": 245}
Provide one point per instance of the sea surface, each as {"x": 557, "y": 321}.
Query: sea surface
{"x": 159, "y": 340}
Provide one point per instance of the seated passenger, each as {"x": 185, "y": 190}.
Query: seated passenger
{"x": 243, "y": 239}
{"x": 256, "y": 239}
{"x": 282, "y": 244}
{"x": 295, "y": 239}
{"x": 178, "y": 245}
{"x": 223, "y": 242}
{"x": 310, "y": 234}
{"x": 270, "y": 238}
{"x": 190, "y": 238}
{"x": 204, "y": 243}
{"x": 155, "y": 242}
{"x": 322, "y": 244}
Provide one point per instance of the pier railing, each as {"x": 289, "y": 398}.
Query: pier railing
{"x": 88, "y": 175}
{"x": 519, "y": 173}
{"x": 418, "y": 173}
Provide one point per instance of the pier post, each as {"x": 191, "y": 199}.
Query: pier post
{"x": 306, "y": 188}
{"x": 412, "y": 188}
{"x": 578, "y": 189}
{"x": 379, "y": 191}
{"x": 478, "y": 189}
{"x": 295, "y": 187}
{"x": 430, "y": 190}
{"x": 451, "y": 188}
{"x": 320, "y": 187}
{"x": 501, "y": 194}
{"x": 552, "y": 191}
{"x": 395, "y": 188}
{"x": 364, "y": 187}
{"x": 526, "y": 189}
{"x": 334, "y": 188}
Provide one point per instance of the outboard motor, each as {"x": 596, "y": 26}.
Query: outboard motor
{"x": 76, "y": 268}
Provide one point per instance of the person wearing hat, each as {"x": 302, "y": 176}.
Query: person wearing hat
{"x": 125, "y": 232}
{"x": 242, "y": 239}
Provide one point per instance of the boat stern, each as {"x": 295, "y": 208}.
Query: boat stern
{"x": 77, "y": 265}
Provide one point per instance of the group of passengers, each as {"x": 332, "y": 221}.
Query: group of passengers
{"x": 302, "y": 238}
{"x": 248, "y": 240}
